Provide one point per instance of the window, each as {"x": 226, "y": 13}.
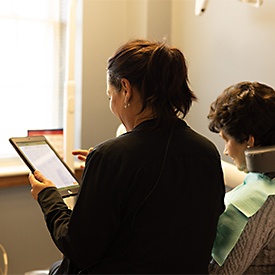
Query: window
{"x": 32, "y": 59}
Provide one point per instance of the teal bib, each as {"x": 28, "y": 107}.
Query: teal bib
{"x": 241, "y": 204}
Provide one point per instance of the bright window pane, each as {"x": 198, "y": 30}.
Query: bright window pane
{"x": 32, "y": 54}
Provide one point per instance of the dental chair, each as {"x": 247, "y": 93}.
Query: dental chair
{"x": 258, "y": 159}
{"x": 261, "y": 160}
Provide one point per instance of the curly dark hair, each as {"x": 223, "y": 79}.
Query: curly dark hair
{"x": 243, "y": 110}
{"x": 159, "y": 73}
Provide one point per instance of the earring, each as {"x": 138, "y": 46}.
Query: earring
{"x": 126, "y": 105}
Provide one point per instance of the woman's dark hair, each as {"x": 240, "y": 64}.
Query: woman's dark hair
{"x": 243, "y": 110}
{"x": 158, "y": 72}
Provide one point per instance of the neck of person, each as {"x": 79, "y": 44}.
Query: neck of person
{"x": 137, "y": 119}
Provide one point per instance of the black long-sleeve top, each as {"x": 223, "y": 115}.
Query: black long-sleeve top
{"x": 149, "y": 202}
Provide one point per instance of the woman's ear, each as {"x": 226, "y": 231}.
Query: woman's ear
{"x": 127, "y": 89}
{"x": 250, "y": 142}
{"x": 125, "y": 83}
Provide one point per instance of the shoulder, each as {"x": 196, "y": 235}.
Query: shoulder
{"x": 267, "y": 211}
{"x": 262, "y": 224}
{"x": 115, "y": 151}
{"x": 195, "y": 142}
{"x": 117, "y": 145}
{"x": 255, "y": 247}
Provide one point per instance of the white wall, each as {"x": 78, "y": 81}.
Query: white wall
{"x": 231, "y": 42}
{"x": 106, "y": 25}
{"x": 23, "y": 232}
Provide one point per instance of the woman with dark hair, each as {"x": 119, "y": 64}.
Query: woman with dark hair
{"x": 150, "y": 199}
{"x": 244, "y": 116}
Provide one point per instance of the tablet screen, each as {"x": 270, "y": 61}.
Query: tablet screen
{"x": 38, "y": 154}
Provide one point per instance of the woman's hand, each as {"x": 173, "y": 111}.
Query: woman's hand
{"x": 82, "y": 154}
{"x": 38, "y": 183}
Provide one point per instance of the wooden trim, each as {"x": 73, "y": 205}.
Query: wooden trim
{"x": 19, "y": 180}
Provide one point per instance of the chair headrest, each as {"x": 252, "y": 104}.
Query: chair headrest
{"x": 261, "y": 159}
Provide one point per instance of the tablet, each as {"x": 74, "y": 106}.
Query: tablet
{"x": 39, "y": 154}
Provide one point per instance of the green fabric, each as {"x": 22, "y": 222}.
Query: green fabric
{"x": 241, "y": 204}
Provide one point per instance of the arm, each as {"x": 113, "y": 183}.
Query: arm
{"x": 256, "y": 235}
{"x": 85, "y": 234}
{"x": 55, "y": 210}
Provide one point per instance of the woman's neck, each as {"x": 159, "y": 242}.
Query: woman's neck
{"x": 147, "y": 114}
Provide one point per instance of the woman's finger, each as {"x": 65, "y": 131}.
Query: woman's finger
{"x": 80, "y": 152}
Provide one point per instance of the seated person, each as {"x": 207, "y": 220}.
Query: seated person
{"x": 244, "y": 116}
{"x": 151, "y": 198}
